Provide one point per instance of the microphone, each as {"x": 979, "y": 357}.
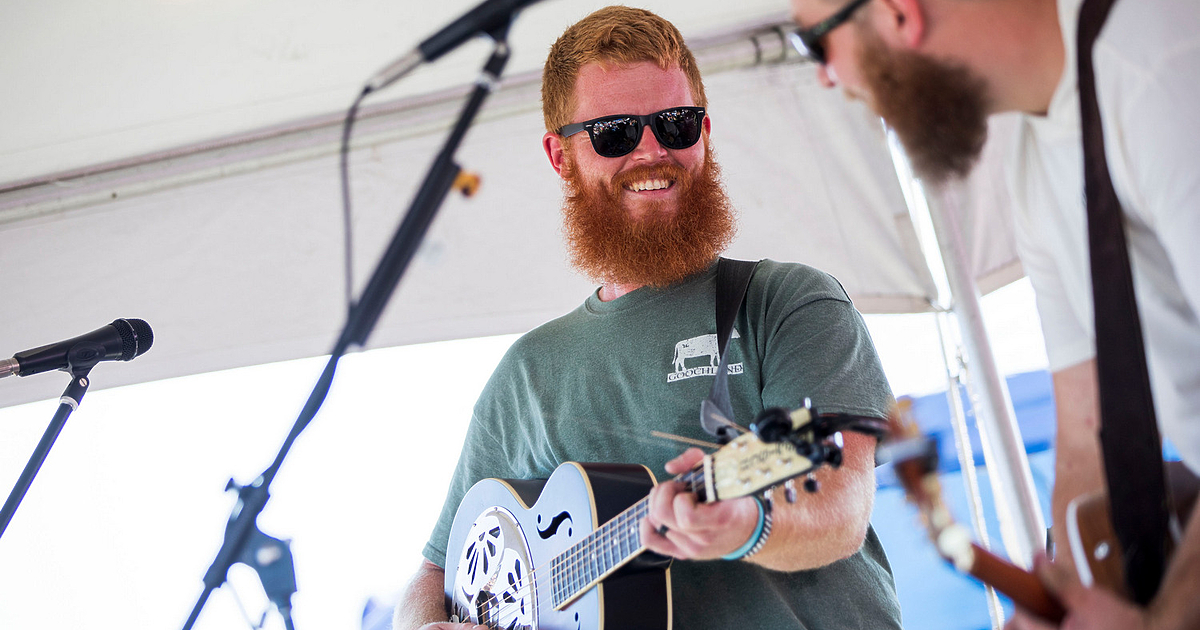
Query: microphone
{"x": 121, "y": 340}
{"x": 487, "y": 16}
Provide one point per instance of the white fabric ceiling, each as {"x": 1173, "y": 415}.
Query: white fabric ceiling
{"x": 232, "y": 249}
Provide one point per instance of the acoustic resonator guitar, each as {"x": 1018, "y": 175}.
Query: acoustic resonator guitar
{"x": 565, "y": 552}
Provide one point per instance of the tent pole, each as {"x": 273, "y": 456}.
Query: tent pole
{"x": 1021, "y": 523}
{"x": 955, "y": 380}
{"x": 1022, "y": 527}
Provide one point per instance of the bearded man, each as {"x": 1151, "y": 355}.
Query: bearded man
{"x": 646, "y": 216}
{"x": 935, "y": 70}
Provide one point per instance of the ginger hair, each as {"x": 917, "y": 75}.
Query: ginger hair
{"x": 618, "y": 36}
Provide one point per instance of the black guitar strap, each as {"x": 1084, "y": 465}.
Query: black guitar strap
{"x": 1129, "y": 437}
{"x": 733, "y": 278}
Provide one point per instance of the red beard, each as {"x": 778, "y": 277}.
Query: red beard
{"x": 658, "y": 248}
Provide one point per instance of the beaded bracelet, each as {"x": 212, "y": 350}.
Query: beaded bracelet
{"x": 761, "y": 532}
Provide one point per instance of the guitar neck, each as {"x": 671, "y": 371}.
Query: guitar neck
{"x": 915, "y": 462}
{"x": 1019, "y": 585}
{"x": 607, "y": 549}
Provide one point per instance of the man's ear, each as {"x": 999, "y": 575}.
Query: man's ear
{"x": 554, "y": 145}
{"x": 900, "y": 22}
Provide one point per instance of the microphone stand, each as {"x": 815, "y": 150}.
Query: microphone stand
{"x": 79, "y": 368}
{"x": 243, "y": 541}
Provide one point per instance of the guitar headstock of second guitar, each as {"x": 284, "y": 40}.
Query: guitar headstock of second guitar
{"x": 914, "y": 458}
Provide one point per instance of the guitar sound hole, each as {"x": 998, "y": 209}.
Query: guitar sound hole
{"x": 484, "y": 604}
{"x": 492, "y": 585}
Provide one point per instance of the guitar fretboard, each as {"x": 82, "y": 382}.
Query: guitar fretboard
{"x": 605, "y": 550}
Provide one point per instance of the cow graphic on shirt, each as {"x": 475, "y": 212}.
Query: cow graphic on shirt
{"x": 700, "y": 346}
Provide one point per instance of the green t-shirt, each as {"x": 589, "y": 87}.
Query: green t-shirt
{"x": 590, "y": 387}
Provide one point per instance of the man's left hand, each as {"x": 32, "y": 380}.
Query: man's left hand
{"x": 1087, "y": 608}
{"x": 680, "y": 526}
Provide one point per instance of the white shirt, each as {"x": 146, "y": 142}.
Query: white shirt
{"x": 1147, "y": 65}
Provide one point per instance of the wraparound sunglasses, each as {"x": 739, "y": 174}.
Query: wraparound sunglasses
{"x": 614, "y": 136}
{"x": 807, "y": 41}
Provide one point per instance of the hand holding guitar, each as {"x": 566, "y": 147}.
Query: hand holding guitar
{"x": 1092, "y": 608}
{"x": 682, "y": 526}
{"x": 567, "y": 552}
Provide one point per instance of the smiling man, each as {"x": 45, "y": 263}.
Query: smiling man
{"x": 646, "y": 216}
{"x": 935, "y": 70}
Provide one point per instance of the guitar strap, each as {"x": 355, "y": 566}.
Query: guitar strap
{"x": 733, "y": 278}
{"x": 1129, "y": 437}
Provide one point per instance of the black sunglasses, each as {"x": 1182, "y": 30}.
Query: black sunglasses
{"x": 807, "y": 41}
{"x": 614, "y": 136}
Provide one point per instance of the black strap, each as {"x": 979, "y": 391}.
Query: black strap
{"x": 1129, "y": 437}
{"x": 733, "y": 278}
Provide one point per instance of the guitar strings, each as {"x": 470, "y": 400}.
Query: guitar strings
{"x": 576, "y": 552}
{"x": 571, "y": 562}
{"x": 500, "y": 615}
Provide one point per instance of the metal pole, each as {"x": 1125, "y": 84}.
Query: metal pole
{"x": 1021, "y": 524}
{"x": 1022, "y": 527}
{"x": 955, "y": 377}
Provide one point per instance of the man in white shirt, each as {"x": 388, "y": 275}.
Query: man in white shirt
{"x": 935, "y": 69}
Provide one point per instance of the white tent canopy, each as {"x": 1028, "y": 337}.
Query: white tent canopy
{"x": 177, "y": 162}
{"x": 181, "y": 167}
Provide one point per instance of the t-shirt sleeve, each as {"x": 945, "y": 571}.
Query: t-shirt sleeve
{"x": 481, "y": 457}
{"x": 819, "y": 348}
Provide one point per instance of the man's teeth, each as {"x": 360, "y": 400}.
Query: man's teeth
{"x": 652, "y": 184}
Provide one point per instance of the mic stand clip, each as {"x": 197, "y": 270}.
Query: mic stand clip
{"x": 80, "y": 361}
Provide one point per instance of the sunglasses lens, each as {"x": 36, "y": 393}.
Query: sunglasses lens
{"x": 809, "y": 49}
{"x": 616, "y": 137}
{"x": 678, "y": 128}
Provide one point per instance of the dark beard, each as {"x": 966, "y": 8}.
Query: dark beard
{"x": 659, "y": 248}
{"x": 938, "y": 110}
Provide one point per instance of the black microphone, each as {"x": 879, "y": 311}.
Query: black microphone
{"x": 121, "y": 340}
{"x": 489, "y": 15}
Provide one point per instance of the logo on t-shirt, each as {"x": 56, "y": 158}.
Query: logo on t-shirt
{"x": 702, "y": 346}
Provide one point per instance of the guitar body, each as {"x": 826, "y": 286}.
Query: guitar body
{"x": 1094, "y": 547}
{"x": 506, "y": 532}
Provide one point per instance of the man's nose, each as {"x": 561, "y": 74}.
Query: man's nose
{"x": 648, "y": 147}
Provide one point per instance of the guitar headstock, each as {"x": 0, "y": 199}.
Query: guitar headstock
{"x": 749, "y": 465}
{"x": 914, "y": 458}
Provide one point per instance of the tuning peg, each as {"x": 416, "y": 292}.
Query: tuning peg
{"x": 833, "y": 450}
{"x": 772, "y": 424}
{"x": 789, "y": 491}
{"x": 810, "y": 483}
